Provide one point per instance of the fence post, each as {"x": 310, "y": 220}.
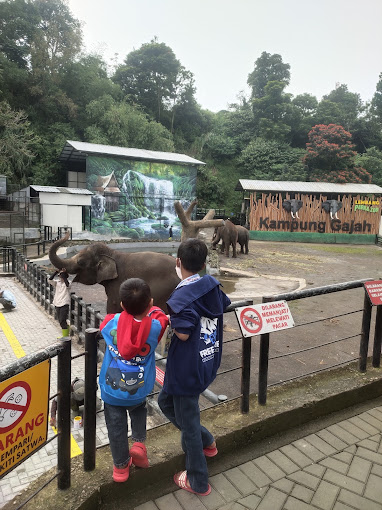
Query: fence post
{"x": 263, "y": 364}
{"x": 64, "y": 376}
{"x": 246, "y": 345}
{"x": 377, "y": 338}
{"x": 365, "y": 332}
{"x": 90, "y": 399}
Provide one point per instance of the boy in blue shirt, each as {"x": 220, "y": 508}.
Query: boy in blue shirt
{"x": 196, "y": 313}
{"x": 128, "y": 372}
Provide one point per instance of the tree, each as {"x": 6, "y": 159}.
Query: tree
{"x": 273, "y": 113}
{"x": 271, "y": 160}
{"x": 118, "y": 123}
{"x": 371, "y": 160}
{"x": 148, "y": 77}
{"x": 267, "y": 68}
{"x": 340, "y": 107}
{"x": 16, "y": 143}
{"x": 330, "y": 156}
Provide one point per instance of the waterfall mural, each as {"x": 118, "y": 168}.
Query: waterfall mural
{"x": 135, "y": 199}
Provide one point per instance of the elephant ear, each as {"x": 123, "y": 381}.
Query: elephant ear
{"x": 287, "y": 205}
{"x": 106, "y": 269}
{"x": 326, "y": 206}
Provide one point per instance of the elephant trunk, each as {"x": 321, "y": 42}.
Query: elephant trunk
{"x": 59, "y": 263}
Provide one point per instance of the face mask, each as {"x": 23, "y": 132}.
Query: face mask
{"x": 178, "y": 272}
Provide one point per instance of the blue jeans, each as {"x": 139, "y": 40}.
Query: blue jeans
{"x": 117, "y": 429}
{"x": 184, "y": 413}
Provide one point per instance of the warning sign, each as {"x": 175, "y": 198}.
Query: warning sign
{"x": 374, "y": 290}
{"x": 24, "y": 401}
{"x": 264, "y": 318}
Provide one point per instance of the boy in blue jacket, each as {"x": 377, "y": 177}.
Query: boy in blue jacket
{"x": 196, "y": 314}
{"x": 128, "y": 372}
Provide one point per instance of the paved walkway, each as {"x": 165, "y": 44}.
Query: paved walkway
{"x": 24, "y": 330}
{"x": 336, "y": 468}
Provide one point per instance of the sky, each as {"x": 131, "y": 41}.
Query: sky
{"x": 325, "y": 42}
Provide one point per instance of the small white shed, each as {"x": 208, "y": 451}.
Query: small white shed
{"x": 61, "y": 207}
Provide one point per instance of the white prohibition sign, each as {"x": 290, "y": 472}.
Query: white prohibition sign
{"x": 14, "y": 403}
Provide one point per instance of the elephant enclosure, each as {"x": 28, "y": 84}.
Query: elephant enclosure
{"x": 319, "y": 265}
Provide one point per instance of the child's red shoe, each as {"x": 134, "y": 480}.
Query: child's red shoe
{"x": 122, "y": 474}
{"x": 138, "y": 453}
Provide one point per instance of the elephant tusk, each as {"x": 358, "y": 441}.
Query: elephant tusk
{"x": 297, "y": 216}
{"x": 292, "y": 214}
{"x": 331, "y": 215}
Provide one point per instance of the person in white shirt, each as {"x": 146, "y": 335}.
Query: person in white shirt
{"x": 8, "y": 300}
{"x": 61, "y": 298}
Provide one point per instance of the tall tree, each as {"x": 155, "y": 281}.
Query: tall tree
{"x": 16, "y": 145}
{"x": 330, "y": 156}
{"x": 267, "y": 68}
{"x": 149, "y": 76}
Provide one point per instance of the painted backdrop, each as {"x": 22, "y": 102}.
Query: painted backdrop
{"x": 136, "y": 198}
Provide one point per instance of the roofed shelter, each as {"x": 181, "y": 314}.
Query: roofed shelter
{"x": 311, "y": 211}
{"x": 59, "y": 206}
{"x": 134, "y": 189}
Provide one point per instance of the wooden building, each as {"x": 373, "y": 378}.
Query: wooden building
{"x": 311, "y": 211}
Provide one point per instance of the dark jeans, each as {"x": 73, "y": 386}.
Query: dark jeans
{"x": 62, "y": 315}
{"x": 184, "y": 413}
{"x": 117, "y": 429}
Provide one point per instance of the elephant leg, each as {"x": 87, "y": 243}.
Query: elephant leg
{"x": 246, "y": 248}
{"x": 241, "y": 248}
{"x": 222, "y": 248}
{"x": 234, "y": 254}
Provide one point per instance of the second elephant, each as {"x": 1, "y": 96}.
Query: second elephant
{"x": 228, "y": 234}
{"x": 242, "y": 238}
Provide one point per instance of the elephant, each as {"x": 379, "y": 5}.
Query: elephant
{"x": 242, "y": 238}
{"x": 293, "y": 206}
{"x": 97, "y": 263}
{"x": 228, "y": 233}
{"x": 332, "y": 207}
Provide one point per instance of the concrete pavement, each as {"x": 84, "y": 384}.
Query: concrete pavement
{"x": 336, "y": 468}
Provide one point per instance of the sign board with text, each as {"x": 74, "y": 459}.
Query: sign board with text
{"x": 374, "y": 291}
{"x": 24, "y": 402}
{"x": 264, "y": 318}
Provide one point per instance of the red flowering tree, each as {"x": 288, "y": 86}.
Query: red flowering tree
{"x": 330, "y": 156}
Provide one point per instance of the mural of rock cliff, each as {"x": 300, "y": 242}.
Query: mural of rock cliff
{"x": 135, "y": 199}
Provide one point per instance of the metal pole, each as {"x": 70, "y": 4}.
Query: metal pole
{"x": 377, "y": 338}
{"x": 263, "y": 364}
{"x": 64, "y": 360}
{"x": 90, "y": 399}
{"x": 365, "y": 332}
{"x": 246, "y": 345}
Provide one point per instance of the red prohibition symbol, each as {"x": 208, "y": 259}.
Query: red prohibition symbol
{"x": 14, "y": 403}
{"x": 251, "y": 320}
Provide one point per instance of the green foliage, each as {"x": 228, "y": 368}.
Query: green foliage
{"x": 271, "y": 160}
{"x": 120, "y": 124}
{"x": 16, "y": 145}
{"x": 371, "y": 160}
{"x": 267, "y": 68}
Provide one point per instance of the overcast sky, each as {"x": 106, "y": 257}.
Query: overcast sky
{"x": 324, "y": 41}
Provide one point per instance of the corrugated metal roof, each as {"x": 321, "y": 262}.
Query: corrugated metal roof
{"x": 59, "y": 189}
{"x": 77, "y": 151}
{"x": 307, "y": 187}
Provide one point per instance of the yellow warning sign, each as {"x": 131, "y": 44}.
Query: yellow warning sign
{"x": 24, "y": 403}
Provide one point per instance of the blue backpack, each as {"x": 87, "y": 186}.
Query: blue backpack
{"x": 127, "y": 382}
